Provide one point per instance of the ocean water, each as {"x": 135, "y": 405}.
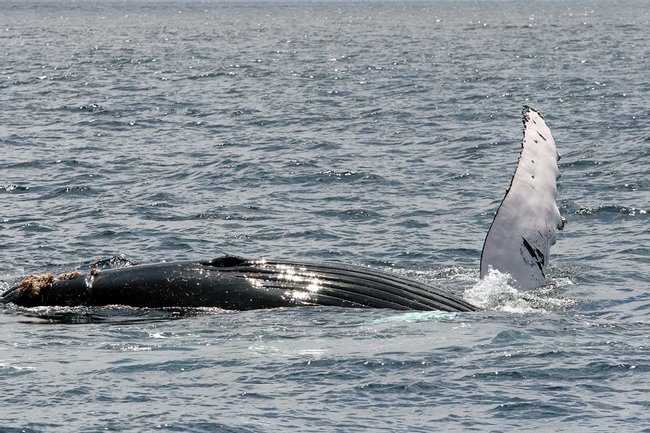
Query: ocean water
{"x": 376, "y": 133}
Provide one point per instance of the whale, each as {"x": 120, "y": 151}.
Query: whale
{"x": 518, "y": 244}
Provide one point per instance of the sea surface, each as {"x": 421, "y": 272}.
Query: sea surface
{"x": 382, "y": 134}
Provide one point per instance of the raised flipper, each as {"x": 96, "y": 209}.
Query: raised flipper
{"x": 528, "y": 218}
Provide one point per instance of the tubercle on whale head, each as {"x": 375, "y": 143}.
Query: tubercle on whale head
{"x": 31, "y": 286}
{"x": 29, "y": 291}
{"x": 46, "y": 289}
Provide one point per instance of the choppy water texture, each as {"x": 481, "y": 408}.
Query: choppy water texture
{"x": 381, "y": 134}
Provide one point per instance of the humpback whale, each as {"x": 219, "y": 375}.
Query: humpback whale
{"x": 518, "y": 243}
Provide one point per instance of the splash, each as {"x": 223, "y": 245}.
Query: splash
{"x": 494, "y": 293}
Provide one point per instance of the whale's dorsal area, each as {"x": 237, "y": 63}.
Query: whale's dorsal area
{"x": 528, "y": 218}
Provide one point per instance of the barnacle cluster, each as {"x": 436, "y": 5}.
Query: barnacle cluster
{"x": 32, "y": 285}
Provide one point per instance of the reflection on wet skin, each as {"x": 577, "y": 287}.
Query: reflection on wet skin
{"x": 308, "y": 282}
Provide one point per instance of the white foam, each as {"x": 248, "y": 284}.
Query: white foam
{"x": 494, "y": 293}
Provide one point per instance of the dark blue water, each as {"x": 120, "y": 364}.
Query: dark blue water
{"x": 380, "y": 134}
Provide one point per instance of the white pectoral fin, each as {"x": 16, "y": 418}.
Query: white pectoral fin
{"x": 527, "y": 221}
